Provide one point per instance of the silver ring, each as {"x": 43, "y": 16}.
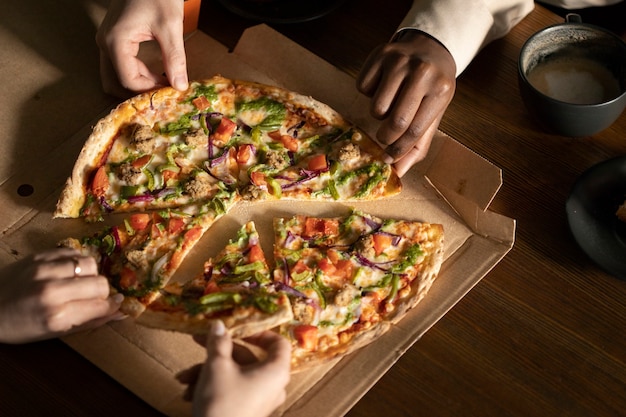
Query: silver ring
{"x": 77, "y": 268}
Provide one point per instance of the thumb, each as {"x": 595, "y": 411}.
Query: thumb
{"x": 175, "y": 62}
{"x": 219, "y": 343}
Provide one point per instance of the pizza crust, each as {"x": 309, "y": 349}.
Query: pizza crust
{"x": 94, "y": 150}
{"x": 422, "y": 283}
{"x": 302, "y": 360}
{"x": 239, "y": 327}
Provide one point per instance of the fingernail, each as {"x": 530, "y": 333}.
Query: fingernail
{"x": 180, "y": 83}
{"x": 387, "y": 159}
{"x": 117, "y": 298}
{"x": 218, "y": 328}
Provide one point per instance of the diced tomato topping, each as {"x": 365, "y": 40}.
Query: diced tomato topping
{"x": 306, "y": 335}
{"x": 193, "y": 235}
{"x": 345, "y": 269}
{"x": 316, "y": 227}
{"x": 201, "y": 103}
{"x": 211, "y": 287}
{"x": 333, "y": 255}
{"x": 299, "y": 267}
{"x": 169, "y": 175}
{"x": 224, "y": 130}
{"x": 244, "y": 152}
{"x": 256, "y": 253}
{"x": 139, "y": 221}
{"x": 175, "y": 225}
{"x": 158, "y": 225}
{"x": 381, "y": 242}
{"x": 156, "y": 231}
{"x": 128, "y": 278}
{"x": 318, "y": 163}
{"x": 342, "y": 268}
{"x": 142, "y": 161}
{"x": 258, "y": 178}
{"x": 289, "y": 142}
{"x": 100, "y": 183}
{"x": 326, "y": 266}
{"x": 122, "y": 236}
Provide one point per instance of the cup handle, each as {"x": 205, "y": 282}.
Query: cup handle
{"x": 573, "y": 18}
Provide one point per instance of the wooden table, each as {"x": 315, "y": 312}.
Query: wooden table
{"x": 541, "y": 335}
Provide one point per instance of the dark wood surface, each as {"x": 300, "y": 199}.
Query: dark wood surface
{"x": 540, "y": 335}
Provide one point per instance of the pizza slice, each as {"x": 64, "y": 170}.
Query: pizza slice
{"x": 150, "y": 152}
{"x": 349, "y": 278}
{"x": 141, "y": 254}
{"x": 235, "y": 286}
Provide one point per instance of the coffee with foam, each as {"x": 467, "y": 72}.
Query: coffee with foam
{"x": 575, "y": 80}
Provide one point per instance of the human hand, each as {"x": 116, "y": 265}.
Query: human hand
{"x": 411, "y": 82}
{"x": 51, "y": 294}
{"x": 126, "y": 25}
{"x": 233, "y": 382}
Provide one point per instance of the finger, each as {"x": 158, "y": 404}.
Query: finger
{"x": 132, "y": 73}
{"x": 53, "y": 254}
{"x": 68, "y": 267}
{"x": 81, "y": 314}
{"x": 370, "y": 74}
{"x": 58, "y": 292}
{"x": 277, "y": 347}
{"x": 83, "y": 266}
{"x": 407, "y": 113}
{"x": 264, "y": 339}
{"x": 428, "y": 112}
{"x": 246, "y": 354}
{"x": 219, "y": 343}
{"x": 174, "y": 59}
{"x": 418, "y": 152}
{"x": 384, "y": 100}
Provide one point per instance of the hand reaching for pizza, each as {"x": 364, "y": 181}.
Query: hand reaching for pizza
{"x": 126, "y": 25}
{"x": 233, "y": 382}
{"x": 51, "y": 294}
{"x": 411, "y": 82}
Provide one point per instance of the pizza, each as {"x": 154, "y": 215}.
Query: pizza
{"x": 235, "y": 286}
{"x": 350, "y": 278}
{"x": 173, "y": 163}
{"x": 167, "y": 148}
{"x": 140, "y": 255}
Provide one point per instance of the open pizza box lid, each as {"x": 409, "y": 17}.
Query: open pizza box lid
{"x": 453, "y": 186}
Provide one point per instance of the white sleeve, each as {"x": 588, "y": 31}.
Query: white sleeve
{"x": 465, "y": 26}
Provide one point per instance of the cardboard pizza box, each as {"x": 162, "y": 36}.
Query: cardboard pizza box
{"x": 452, "y": 186}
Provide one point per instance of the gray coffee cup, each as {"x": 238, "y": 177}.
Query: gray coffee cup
{"x": 572, "y": 77}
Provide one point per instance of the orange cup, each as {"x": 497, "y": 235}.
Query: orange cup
{"x": 192, "y": 13}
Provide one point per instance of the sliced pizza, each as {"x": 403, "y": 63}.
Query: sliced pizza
{"x": 140, "y": 255}
{"x": 349, "y": 278}
{"x": 235, "y": 286}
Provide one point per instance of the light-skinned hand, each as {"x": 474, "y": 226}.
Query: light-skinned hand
{"x": 126, "y": 25}
{"x": 41, "y": 298}
{"x": 234, "y": 382}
